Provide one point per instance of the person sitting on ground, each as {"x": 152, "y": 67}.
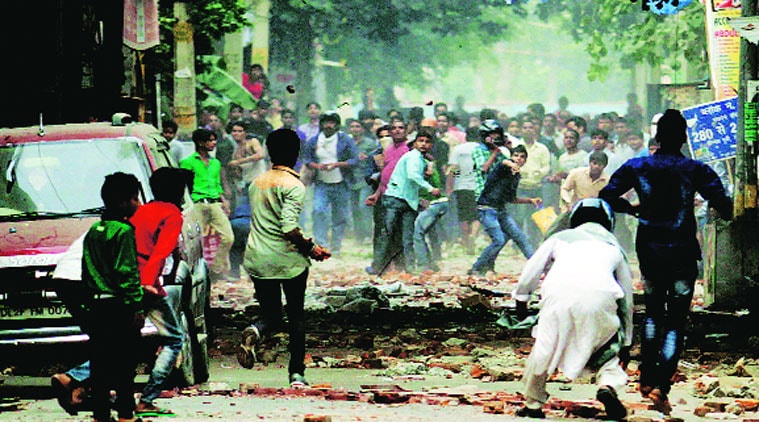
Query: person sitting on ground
{"x": 585, "y": 318}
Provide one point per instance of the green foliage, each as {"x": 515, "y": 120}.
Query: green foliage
{"x": 641, "y": 37}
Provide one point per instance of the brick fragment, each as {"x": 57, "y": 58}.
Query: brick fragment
{"x": 494, "y": 407}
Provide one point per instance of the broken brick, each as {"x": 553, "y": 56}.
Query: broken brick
{"x": 388, "y": 397}
{"x": 317, "y": 418}
{"x": 749, "y": 405}
{"x": 701, "y": 411}
{"x": 494, "y": 407}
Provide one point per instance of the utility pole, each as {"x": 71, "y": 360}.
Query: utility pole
{"x": 731, "y": 270}
{"x": 184, "y": 74}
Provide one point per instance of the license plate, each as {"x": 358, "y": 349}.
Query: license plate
{"x": 38, "y": 312}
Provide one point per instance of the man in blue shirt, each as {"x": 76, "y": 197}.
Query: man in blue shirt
{"x": 666, "y": 183}
{"x": 401, "y": 199}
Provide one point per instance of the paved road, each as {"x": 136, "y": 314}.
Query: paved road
{"x": 223, "y": 398}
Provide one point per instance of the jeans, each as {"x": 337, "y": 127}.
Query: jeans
{"x": 424, "y": 222}
{"x": 269, "y": 296}
{"x": 334, "y": 199}
{"x": 667, "y": 305}
{"x": 362, "y": 218}
{"x": 499, "y": 225}
{"x": 241, "y": 229}
{"x": 399, "y": 219}
{"x": 162, "y": 315}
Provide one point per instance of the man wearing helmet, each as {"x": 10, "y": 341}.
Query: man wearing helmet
{"x": 586, "y": 308}
{"x": 501, "y": 189}
{"x": 488, "y": 153}
{"x": 666, "y": 184}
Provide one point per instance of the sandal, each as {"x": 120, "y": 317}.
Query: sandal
{"x": 152, "y": 411}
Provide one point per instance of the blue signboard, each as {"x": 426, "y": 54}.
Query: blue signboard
{"x": 712, "y": 129}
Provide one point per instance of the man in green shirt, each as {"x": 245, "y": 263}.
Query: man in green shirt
{"x": 114, "y": 316}
{"x": 277, "y": 255}
{"x": 208, "y": 197}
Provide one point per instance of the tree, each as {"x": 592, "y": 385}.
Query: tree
{"x": 641, "y": 36}
{"x": 383, "y": 43}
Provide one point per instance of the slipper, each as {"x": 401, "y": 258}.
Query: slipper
{"x": 155, "y": 412}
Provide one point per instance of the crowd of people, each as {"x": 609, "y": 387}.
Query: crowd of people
{"x": 347, "y": 165}
{"x": 413, "y": 184}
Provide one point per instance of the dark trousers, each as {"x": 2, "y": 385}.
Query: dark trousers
{"x": 113, "y": 338}
{"x": 269, "y": 296}
{"x": 669, "y": 277}
{"x": 667, "y": 306}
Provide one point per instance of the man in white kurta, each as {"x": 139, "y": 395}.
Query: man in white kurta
{"x": 586, "y": 307}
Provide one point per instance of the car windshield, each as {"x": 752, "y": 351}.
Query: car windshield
{"x": 64, "y": 177}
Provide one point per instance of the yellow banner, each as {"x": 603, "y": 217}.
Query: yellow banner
{"x": 724, "y": 47}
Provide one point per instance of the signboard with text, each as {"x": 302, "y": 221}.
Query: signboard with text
{"x": 712, "y": 130}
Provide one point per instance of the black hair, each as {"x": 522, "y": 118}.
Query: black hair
{"x": 416, "y": 114}
{"x": 170, "y": 123}
{"x": 425, "y": 132}
{"x": 263, "y": 104}
{"x": 201, "y": 135}
{"x": 579, "y": 121}
{"x": 671, "y": 129}
{"x": 599, "y": 157}
{"x": 330, "y": 116}
{"x": 519, "y": 149}
{"x": 381, "y": 128}
{"x": 284, "y": 147}
{"x": 488, "y": 114}
{"x": 366, "y": 114}
{"x": 577, "y": 134}
{"x": 168, "y": 183}
{"x": 315, "y": 104}
{"x": 599, "y": 132}
{"x": 118, "y": 188}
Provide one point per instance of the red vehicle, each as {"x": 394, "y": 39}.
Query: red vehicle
{"x": 50, "y": 178}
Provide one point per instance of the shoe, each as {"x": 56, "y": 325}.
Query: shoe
{"x": 246, "y": 355}
{"x": 615, "y": 410}
{"x": 144, "y": 409}
{"x": 526, "y": 412}
{"x": 661, "y": 403}
{"x": 298, "y": 381}
{"x": 371, "y": 271}
{"x": 477, "y": 273}
{"x": 63, "y": 387}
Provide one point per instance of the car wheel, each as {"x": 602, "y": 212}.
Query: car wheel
{"x": 199, "y": 343}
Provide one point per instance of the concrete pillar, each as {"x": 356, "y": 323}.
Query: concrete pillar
{"x": 260, "y": 46}
{"x": 184, "y": 73}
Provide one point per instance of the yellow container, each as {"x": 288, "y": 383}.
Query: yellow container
{"x": 544, "y": 217}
